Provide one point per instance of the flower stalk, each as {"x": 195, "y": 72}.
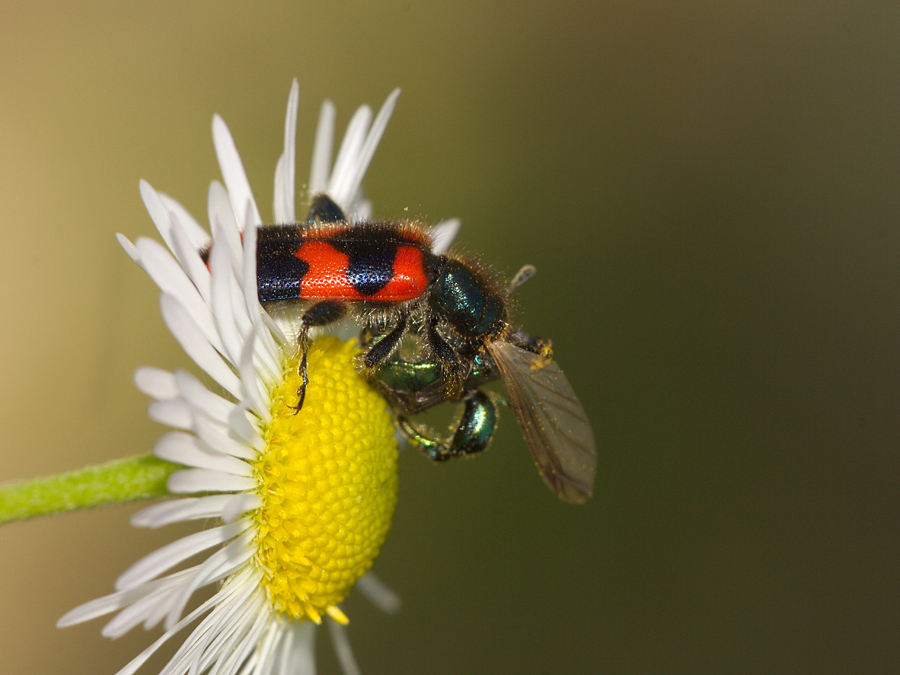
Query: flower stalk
{"x": 122, "y": 480}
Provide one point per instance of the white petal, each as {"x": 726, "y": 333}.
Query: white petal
{"x": 187, "y": 449}
{"x": 298, "y": 657}
{"x": 239, "y": 312}
{"x": 354, "y": 179}
{"x": 239, "y": 192}
{"x": 134, "y": 615}
{"x": 194, "y": 266}
{"x": 342, "y": 647}
{"x": 269, "y": 649}
{"x": 207, "y": 643}
{"x": 321, "y": 161}
{"x": 155, "y": 382}
{"x": 225, "y": 595}
{"x": 128, "y": 247}
{"x": 443, "y": 233}
{"x": 362, "y": 211}
{"x": 220, "y": 439}
{"x": 253, "y": 391}
{"x": 240, "y": 424}
{"x": 172, "y": 280}
{"x": 225, "y": 228}
{"x": 285, "y": 171}
{"x": 248, "y": 641}
{"x": 173, "y": 413}
{"x": 159, "y": 214}
{"x": 220, "y": 266}
{"x": 240, "y": 504}
{"x": 201, "y": 399}
{"x": 219, "y": 565}
{"x": 147, "y": 610}
{"x": 355, "y": 136}
{"x": 226, "y": 629}
{"x": 163, "y": 559}
{"x": 285, "y": 650}
{"x": 184, "y": 221}
{"x": 378, "y": 594}
{"x": 266, "y": 349}
{"x": 201, "y": 480}
{"x": 93, "y": 609}
{"x": 179, "y": 510}
{"x": 278, "y": 332}
{"x": 250, "y": 290}
{"x": 192, "y": 340}
{"x": 218, "y": 207}
{"x": 109, "y": 603}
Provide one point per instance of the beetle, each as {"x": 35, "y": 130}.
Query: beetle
{"x": 381, "y": 272}
{"x": 386, "y": 275}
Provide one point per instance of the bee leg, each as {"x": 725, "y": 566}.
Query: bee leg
{"x": 385, "y": 346}
{"x": 320, "y": 314}
{"x": 476, "y": 426}
{"x": 450, "y": 364}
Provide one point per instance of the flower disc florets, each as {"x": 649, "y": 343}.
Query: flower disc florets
{"x": 328, "y": 483}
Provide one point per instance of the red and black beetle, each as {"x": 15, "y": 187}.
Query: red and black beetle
{"x": 387, "y": 276}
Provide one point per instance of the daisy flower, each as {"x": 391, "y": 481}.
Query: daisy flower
{"x": 301, "y": 503}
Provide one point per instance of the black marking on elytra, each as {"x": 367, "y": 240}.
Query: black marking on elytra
{"x": 278, "y": 270}
{"x": 370, "y": 264}
{"x": 369, "y": 271}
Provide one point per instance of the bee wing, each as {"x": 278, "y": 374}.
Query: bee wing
{"x": 551, "y": 418}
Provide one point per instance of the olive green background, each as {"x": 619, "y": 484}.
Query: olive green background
{"x": 710, "y": 192}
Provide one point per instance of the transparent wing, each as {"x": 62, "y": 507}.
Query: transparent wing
{"x": 551, "y": 418}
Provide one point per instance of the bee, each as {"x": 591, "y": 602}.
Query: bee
{"x": 386, "y": 275}
{"x": 549, "y": 414}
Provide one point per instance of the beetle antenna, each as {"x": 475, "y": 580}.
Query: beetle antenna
{"x": 522, "y": 276}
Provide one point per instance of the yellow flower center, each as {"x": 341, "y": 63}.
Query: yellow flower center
{"x": 328, "y": 480}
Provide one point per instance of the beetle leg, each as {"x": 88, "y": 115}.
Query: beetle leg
{"x": 450, "y": 364}
{"x": 320, "y": 314}
{"x": 303, "y": 340}
{"x": 385, "y": 346}
{"x": 476, "y": 426}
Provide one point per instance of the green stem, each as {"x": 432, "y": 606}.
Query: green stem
{"x": 123, "y": 480}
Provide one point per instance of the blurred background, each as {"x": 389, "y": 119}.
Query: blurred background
{"x": 710, "y": 194}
